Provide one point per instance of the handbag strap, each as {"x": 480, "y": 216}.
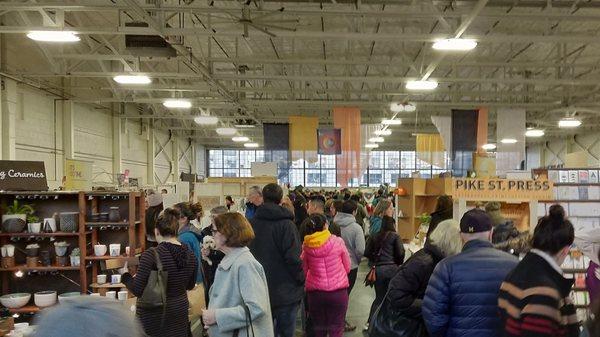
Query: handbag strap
{"x": 381, "y": 247}
{"x": 159, "y": 267}
{"x": 248, "y": 317}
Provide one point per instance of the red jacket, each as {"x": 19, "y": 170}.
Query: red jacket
{"x": 325, "y": 261}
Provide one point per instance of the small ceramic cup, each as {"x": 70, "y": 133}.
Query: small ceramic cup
{"x": 101, "y": 279}
{"x": 35, "y": 227}
{"x": 115, "y": 249}
{"x": 10, "y": 250}
{"x": 122, "y": 295}
{"x": 127, "y": 250}
{"x": 111, "y": 294}
{"x": 3, "y": 251}
{"x": 100, "y": 250}
{"x": 115, "y": 279}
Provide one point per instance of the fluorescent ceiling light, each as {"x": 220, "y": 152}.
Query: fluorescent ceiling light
{"x": 132, "y": 79}
{"x": 251, "y": 145}
{"x": 455, "y": 44}
{"x": 421, "y": 85}
{"x": 391, "y": 121}
{"x": 569, "y": 123}
{"x": 383, "y": 132}
{"x": 534, "y": 133}
{"x": 206, "y": 120}
{"x": 397, "y": 107}
{"x": 177, "y": 104}
{"x": 489, "y": 146}
{"x": 226, "y": 131}
{"x": 508, "y": 141}
{"x": 377, "y": 140}
{"x": 371, "y": 146}
{"x": 410, "y": 107}
{"x": 241, "y": 139}
{"x": 53, "y": 36}
{"x": 245, "y": 126}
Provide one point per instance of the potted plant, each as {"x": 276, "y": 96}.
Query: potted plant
{"x": 75, "y": 257}
{"x": 14, "y": 218}
{"x": 34, "y": 224}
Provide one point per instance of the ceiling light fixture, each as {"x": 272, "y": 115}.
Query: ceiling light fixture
{"x": 383, "y": 132}
{"x": 391, "y": 121}
{"x": 226, "y": 131}
{"x": 569, "y": 122}
{"x": 371, "y": 146}
{"x": 177, "y": 104}
{"x": 377, "y": 140}
{"x": 53, "y": 36}
{"x": 245, "y": 126}
{"x": 240, "y": 139}
{"x": 251, "y": 145}
{"x": 534, "y": 133}
{"x": 132, "y": 79}
{"x": 396, "y": 107}
{"x": 206, "y": 120}
{"x": 421, "y": 85}
{"x": 508, "y": 141}
{"x": 455, "y": 44}
{"x": 489, "y": 147}
{"x": 409, "y": 107}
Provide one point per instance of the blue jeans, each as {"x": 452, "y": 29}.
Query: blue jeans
{"x": 284, "y": 320}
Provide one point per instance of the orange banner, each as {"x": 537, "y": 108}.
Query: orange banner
{"x": 348, "y": 163}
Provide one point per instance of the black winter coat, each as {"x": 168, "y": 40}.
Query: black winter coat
{"x": 277, "y": 248}
{"x": 407, "y": 287}
{"x": 392, "y": 254}
{"x": 437, "y": 217}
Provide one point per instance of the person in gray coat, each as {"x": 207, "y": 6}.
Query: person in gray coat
{"x": 354, "y": 238}
{"x": 240, "y": 281}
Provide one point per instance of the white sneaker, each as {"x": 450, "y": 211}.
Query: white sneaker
{"x": 366, "y": 327}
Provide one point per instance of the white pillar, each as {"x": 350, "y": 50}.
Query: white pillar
{"x": 8, "y": 110}
{"x": 175, "y": 158}
{"x": 151, "y": 151}
{"x": 116, "y": 144}
{"x": 68, "y": 114}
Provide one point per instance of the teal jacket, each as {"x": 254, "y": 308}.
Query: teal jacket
{"x": 193, "y": 241}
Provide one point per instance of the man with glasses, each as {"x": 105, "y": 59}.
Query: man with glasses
{"x": 254, "y": 200}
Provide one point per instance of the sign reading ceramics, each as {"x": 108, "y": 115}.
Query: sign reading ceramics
{"x": 502, "y": 189}
{"x": 23, "y": 176}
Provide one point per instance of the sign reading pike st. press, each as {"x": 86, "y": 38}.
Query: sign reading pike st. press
{"x": 502, "y": 189}
{"x": 22, "y": 176}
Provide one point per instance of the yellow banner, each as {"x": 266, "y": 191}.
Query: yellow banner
{"x": 502, "y": 189}
{"x": 78, "y": 175}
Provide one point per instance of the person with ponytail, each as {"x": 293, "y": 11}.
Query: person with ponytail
{"x": 534, "y": 298}
{"x": 181, "y": 265}
{"x": 326, "y": 264}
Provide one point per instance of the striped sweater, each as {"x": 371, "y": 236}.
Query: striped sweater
{"x": 534, "y": 301}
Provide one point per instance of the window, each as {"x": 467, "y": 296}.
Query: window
{"x": 384, "y": 167}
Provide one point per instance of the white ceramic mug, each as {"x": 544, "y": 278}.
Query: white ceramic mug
{"x": 127, "y": 250}
{"x": 111, "y": 294}
{"x": 115, "y": 249}
{"x": 51, "y": 222}
{"x": 114, "y": 279}
{"x": 35, "y": 227}
{"x": 100, "y": 250}
{"x": 122, "y": 295}
{"x": 3, "y": 251}
{"x": 101, "y": 279}
{"x": 10, "y": 250}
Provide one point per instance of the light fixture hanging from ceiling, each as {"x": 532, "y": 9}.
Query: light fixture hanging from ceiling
{"x": 240, "y": 139}
{"x": 395, "y": 121}
{"x": 377, "y": 140}
{"x": 371, "y": 146}
{"x": 383, "y": 132}
{"x": 53, "y": 36}
{"x": 177, "y": 104}
{"x": 421, "y": 85}
{"x": 402, "y": 107}
{"x": 251, "y": 145}
{"x": 455, "y": 44}
{"x": 534, "y": 133}
{"x": 569, "y": 122}
{"x": 488, "y": 147}
{"x": 508, "y": 141}
{"x": 132, "y": 79}
{"x": 226, "y": 131}
{"x": 206, "y": 120}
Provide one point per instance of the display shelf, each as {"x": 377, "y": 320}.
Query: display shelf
{"x": 43, "y": 235}
{"x": 563, "y": 200}
{"x": 107, "y": 286}
{"x": 575, "y": 184}
{"x": 106, "y": 257}
{"x": 39, "y": 268}
{"x": 122, "y": 223}
{"x": 25, "y": 310}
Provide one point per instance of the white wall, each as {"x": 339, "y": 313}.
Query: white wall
{"x": 39, "y": 136}
{"x": 554, "y": 151}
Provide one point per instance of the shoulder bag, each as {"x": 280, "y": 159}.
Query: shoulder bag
{"x": 387, "y": 322}
{"x": 372, "y": 274}
{"x": 155, "y": 292}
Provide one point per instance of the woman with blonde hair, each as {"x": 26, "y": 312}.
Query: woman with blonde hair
{"x": 407, "y": 288}
{"x": 384, "y": 207}
{"x": 240, "y": 302}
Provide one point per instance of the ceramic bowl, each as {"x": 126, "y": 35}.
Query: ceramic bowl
{"x": 16, "y": 300}
{"x": 100, "y": 250}
{"x": 44, "y": 298}
{"x": 63, "y": 298}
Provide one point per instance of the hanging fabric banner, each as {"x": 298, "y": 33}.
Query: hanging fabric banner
{"x": 366, "y": 132}
{"x": 276, "y": 136}
{"x": 444, "y": 126}
{"x": 330, "y": 141}
{"x": 482, "y": 129}
{"x": 510, "y": 124}
{"x": 430, "y": 149}
{"x": 303, "y": 138}
{"x": 464, "y": 140}
{"x": 348, "y": 163}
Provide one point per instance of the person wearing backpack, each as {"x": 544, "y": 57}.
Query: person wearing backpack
{"x": 165, "y": 312}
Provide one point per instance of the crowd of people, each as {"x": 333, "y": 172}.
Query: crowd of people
{"x": 298, "y": 255}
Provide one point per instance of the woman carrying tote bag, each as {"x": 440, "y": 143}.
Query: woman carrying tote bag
{"x": 239, "y": 303}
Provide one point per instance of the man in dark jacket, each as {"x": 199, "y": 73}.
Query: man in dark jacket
{"x": 462, "y": 294}
{"x": 277, "y": 248}
{"x": 316, "y": 205}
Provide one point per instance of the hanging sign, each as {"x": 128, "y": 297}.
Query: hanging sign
{"x": 23, "y": 176}
{"x": 502, "y": 189}
{"x": 78, "y": 175}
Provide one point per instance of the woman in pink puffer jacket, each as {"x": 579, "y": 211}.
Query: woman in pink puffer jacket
{"x": 326, "y": 264}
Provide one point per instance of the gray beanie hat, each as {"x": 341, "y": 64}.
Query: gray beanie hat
{"x": 87, "y": 316}
{"x": 154, "y": 199}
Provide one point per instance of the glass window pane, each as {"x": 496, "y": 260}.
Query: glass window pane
{"x": 328, "y": 178}
{"x": 230, "y": 173}
{"x": 422, "y": 164}
{"x": 247, "y": 158}
{"x": 260, "y": 156}
{"x": 375, "y": 178}
{"x": 407, "y": 160}
{"x": 296, "y": 177}
{"x": 328, "y": 161}
{"x": 406, "y": 173}
{"x": 215, "y": 158}
{"x": 376, "y": 160}
{"x": 298, "y": 164}
{"x": 281, "y": 158}
{"x": 392, "y": 159}
{"x": 231, "y": 159}
{"x": 316, "y": 164}
{"x": 425, "y": 174}
{"x": 245, "y": 173}
{"x": 391, "y": 177}
{"x": 313, "y": 178}
{"x": 215, "y": 172}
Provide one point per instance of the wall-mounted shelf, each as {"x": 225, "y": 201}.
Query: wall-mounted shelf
{"x": 41, "y": 235}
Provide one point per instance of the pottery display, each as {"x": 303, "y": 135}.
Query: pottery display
{"x": 16, "y": 300}
{"x": 104, "y": 217}
{"x": 101, "y": 279}
{"x": 14, "y": 223}
{"x": 100, "y": 250}
{"x": 61, "y": 248}
{"x": 10, "y": 250}
{"x": 111, "y": 294}
{"x": 94, "y": 217}
{"x": 45, "y": 258}
{"x": 75, "y": 260}
{"x": 32, "y": 250}
{"x": 115, "y": 249}
{"x": 8, "y": 262}
{"x": 62, "y": 298}
{"x": 34, "y": 227}
{"x": 32, "y": 262}
{"x": 122, "y": 295}
{"x": 114, "y": 215}
{"x": 3, "y": 250}
{"x": 115, "y": 279}
{"x": 62, "y": 261}
{"x": 49, "y": 225}
{"x": 69, "y": 221}
{"x": 45, "y": 298}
